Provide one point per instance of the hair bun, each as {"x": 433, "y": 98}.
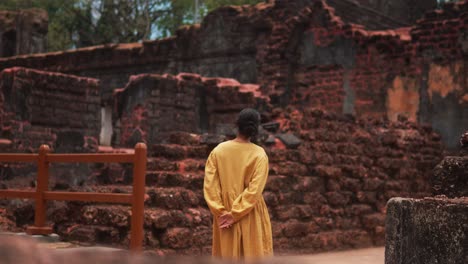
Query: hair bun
{"x": 248, "y": 122}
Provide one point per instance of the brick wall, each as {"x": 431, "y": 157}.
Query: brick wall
{"x": 36, "y": 107}
{"x": 303, "y": 53}
{"x": 151, "y": 106}
{"x": 45, "y": 108}
{"x": 23, "y": 32}
{"x": 318, "y": 59}
{"x": 330, "y": 193}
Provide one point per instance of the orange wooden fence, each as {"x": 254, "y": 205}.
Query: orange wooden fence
{"x": 42, "y": 194}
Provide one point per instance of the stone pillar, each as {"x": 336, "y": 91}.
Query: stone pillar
{"x": 432, "y": 230}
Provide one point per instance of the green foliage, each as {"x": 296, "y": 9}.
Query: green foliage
{"x": 81, "y": 23}
{"x": 179, "y": 12}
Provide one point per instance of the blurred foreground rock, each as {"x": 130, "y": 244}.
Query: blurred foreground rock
{"x": 25, "y": 250}
{"x": 430, "y": 230}
{"x": 14, "y": 250}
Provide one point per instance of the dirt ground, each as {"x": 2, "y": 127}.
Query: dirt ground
{"x": 358, "y": 256}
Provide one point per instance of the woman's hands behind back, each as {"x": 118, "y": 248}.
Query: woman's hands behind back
{"x": 225, "y": 221}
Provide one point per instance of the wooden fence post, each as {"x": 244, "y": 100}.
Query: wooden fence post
{"x": 42, "y": 186}
{"x": 138, "y": 198}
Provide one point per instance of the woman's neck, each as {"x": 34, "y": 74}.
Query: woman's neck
{"x": 242, "y": 139}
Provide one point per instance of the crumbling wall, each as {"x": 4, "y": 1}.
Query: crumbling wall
{"x": 151, "y": 106}
{"x": 330, "y": 192}
{"x": 222, "y": 46}
{"x": 305, "y": 52}
{"x": 23, "y": 32}
{"x": 338, "y": 66}
{"x": 48, "y": 108}
{"x": 326, "y": 192}
{"x": 38, "y": 108}
{"x": 442, "y": 46}
{"x": 417, "y": 72}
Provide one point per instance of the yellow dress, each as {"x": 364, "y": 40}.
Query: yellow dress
{"x": 235, "y": 176}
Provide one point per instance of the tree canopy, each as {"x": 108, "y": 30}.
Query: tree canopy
{"x": 81, "y": 23}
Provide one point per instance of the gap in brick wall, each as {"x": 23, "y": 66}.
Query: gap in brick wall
{"x": 106, "y": 126}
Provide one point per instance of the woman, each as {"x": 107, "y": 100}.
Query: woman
{"x": 235, "y": 175}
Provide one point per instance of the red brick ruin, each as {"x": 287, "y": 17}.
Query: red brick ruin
{"x": 358, "y": 107}
{"x": 23, "y": 32}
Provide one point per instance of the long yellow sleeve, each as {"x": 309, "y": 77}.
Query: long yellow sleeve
{"x": 212, "y": 187}
{"x": 246, "y": 201}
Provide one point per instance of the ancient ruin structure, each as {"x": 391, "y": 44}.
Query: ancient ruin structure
{"x": 432, "y": 230}
{"x": 327, "y": 191}
{"x": 302, "y": 53}
{"x": 356, "y": 108}
{"x": 150, "y": 106}
{"x": 23, "y": 32}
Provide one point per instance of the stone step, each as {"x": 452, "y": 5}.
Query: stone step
{"x": 184, "y": 138}
{"x": 179, "y": 152}
{"x": 116, "y": 174}
{"x": 164, "y": 164}
{"x": 161, "y": 163}
{"x": 110, "y": 225}
{"x": 175, "y": 197}
{"x": 190, "y": 180}
{"x": 119, "y": 216}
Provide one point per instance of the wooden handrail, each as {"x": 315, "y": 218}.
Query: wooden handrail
{"x": 91, "y": 158}
{"x": 17, "y": 194}
{"x": 18, "y": 157}
{"x": 122, "y": 198}
{"x": 41, "y": 195}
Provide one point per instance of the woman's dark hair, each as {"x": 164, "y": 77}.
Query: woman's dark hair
{"x": 248, "y": 122}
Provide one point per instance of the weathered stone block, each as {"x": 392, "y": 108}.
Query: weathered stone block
{"x": 371, "y": 221}
{"x": 177, "y": 238}
{"x": 309, "y": 184}
{"x": 338, "y": 198}
{"x": 184, "y": 138}
{"x": 113, "y": 216}
{"x": 451, "y": 177}
{"x": 40, "y": 110}
{"x": 431, "y": 230}
{"x": 157, "y": 218}
{"x": 290, "y": 140}
{"x": 294, "y": 228}
{"x": 161, "y": 164}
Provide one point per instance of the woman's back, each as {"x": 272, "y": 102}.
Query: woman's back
{"x": 236, "y": 163}
{"x": 235, "y": 175}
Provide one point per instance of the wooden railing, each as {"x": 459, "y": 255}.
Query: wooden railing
{"x": 136, "y": 199}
